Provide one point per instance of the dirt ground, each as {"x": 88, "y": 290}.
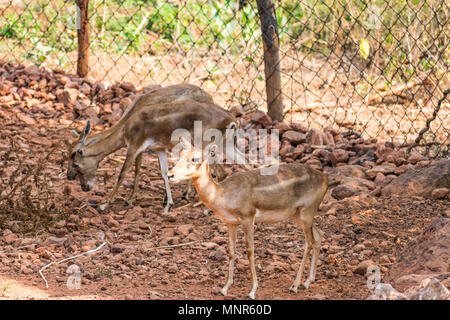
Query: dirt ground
{"x": 182, "y": 255}
{"x": 44, "y": 218}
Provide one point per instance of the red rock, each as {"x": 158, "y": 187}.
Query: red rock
{"x": 68, "y": 97}
{"x": 260, "y": 117}
{"x": 362, "y": 267}
{"x": 24, "y": 118}
{"x": 440, "y": 193}
{"x": 372, "y": 173}
{"x": 124, "y": 103}
{"x": 185, "y": 229}
{"x": 415, "y": 157}
{"x": 299, "y": 127}
{"x": 315, "y": 137}
{"x": 338, "y": 155}
{"x": 112, "y": 222}
{"x": 10, "y": 238}
{"x": 294, "y": 137}
{"x": 282, "y": 127}
{"x": 127, "y": 86}
{"x": 343, "y": 191}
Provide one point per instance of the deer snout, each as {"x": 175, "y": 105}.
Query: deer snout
{"x": 171, "y": 176}
{"x": 87, "y": 186}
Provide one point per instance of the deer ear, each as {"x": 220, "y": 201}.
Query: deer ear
{"x": 86, "y": 132}
{"x": 87, "y": 129}
{"x": 212, "y": 150}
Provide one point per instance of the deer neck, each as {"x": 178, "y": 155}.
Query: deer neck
{"x": 208, "y": 190}
{"x": 105, "y": 144}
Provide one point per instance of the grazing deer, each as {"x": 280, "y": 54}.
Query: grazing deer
{"x": 147, "y": 123}
{"x": 294, "y": 192}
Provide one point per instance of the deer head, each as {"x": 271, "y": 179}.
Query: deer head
{"x": 190, "y": 162}
{"x": 79, "y": 164}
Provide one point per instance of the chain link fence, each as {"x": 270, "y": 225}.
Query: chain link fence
{"x": 380, "y": 68}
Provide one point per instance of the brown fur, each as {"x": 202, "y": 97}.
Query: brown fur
{"x": 155, "y": 116}
{"x": 294, "y": 192}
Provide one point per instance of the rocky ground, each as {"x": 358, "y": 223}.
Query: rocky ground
{"x": 380, "y": 198}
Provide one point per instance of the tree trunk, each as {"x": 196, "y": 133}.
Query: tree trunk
{"x": 83, "y": 37}
{"x": 270, "y": 39}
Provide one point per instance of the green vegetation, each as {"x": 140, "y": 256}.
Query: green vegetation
{"x": 397, "y": 32}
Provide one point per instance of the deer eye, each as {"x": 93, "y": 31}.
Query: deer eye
{"x": 73, "y": 155}
{"x": 76, "y": 166}
{"x": 194, "y": 160}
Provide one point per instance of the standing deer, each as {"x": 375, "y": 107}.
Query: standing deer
{"x": 294, "y": 192}
{"x": 147, "y": 123}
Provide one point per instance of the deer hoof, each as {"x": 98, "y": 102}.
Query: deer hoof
{"x": 251, "y": 295}
{"x": 306, "y": 284}
{"x": 224, "y": 291}
{"x": 293, "y": 289}
{"x": 167, "y": 208}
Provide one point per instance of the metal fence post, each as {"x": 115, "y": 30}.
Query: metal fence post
{"x": 83, "y": 37}
{"x": 270, "y": 39}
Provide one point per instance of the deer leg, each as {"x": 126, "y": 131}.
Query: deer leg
{"x": 162, "y": 156}
{"x": 306, "y": 225}
{"x": 137, "y": 169}
{"x": 248, "y": 227}
{"x": 232, "y": 230}
{"x": 131, "y": 155}
{"x": 189, "y": 192}
{"x": 317, "y": 234}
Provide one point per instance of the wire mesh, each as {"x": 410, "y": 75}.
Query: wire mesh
{"x": 378, "y": 67}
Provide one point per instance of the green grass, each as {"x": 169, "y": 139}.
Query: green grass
{"x": 328, "y": 28}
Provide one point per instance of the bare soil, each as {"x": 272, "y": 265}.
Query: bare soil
{"x": 45, "y": 218}
{"x": 131, "y": 266}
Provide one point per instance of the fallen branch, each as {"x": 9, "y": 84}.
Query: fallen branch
{"x": 67, "y": 259}
{"x": 171, "y": 246}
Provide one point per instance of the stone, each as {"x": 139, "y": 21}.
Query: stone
{"x": 420, "y": 182}
{"x": 361, "y": 268}
{"x": 430, "y": 289}
{"x": 24, "y": 118}
{"x": 10, "y": 238}
{"x": 428, "y": 253}
{"x": 56, "y": 240}
{"x": 68, "y": 97}
{"x": 415, "y": 157}
{"x": 172, "y": 268}
{"x": 294, "y": 137}
{"x": 315, "y": 137}
{"x": 440, "y": 193}
{"x": 343, "y": 191}
{"x": 282, "y": 127}
{"x": 127, "y": 86}
{"x": 384, "y": 291}
{"x": 185, "y": 229}
{"x": 338, "y": 155}
{"x": 299, "y": 127}
{"x": 220, "y": 254}
{"x": 260, "y": 117}
{"x": 372, "y": 173}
